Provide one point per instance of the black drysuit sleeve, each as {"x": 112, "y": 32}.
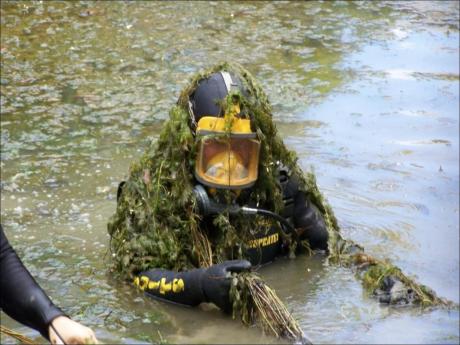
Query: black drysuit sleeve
{"x": 178, "y": 287}
{"x": 20, "y": 295}
{"x": 195, "y": 286}
{"x": 304, "y": 215}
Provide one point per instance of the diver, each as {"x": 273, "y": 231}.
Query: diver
{"x": 248, "y": 201}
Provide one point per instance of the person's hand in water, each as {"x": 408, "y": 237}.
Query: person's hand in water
{"x": 63, "y": 330}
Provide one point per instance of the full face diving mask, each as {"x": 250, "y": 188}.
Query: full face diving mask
{"x": 228, "y": 152}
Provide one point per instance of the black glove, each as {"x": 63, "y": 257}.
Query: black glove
{"x": 216, "y": 281}
{"x": 192, "y": 287}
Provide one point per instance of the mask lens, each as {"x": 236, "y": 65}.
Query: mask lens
{"x": 227, "y": 162}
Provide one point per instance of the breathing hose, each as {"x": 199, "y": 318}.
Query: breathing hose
{"x": 209, "y": 207}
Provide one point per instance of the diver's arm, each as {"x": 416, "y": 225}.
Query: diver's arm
{"x": 179, "y": 287}
{"x": 304, "y": 215}
{"x": 310, "y": 222}
{"x": 21, "y": 297}
{"x": 194, "y": 286}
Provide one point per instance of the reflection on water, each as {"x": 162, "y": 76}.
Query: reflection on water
{"x": 367, "y": 93}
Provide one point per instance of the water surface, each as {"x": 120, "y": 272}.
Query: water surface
{"x": 366, "y": 93}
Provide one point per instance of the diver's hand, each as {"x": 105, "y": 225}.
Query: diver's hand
{"x": 216, "y": 281}
{"x": 71, "y": 332}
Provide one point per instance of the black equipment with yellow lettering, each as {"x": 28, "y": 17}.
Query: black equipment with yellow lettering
{"x": 193, "y": 287}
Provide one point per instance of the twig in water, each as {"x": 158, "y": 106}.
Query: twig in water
{"x": 18, "y": 336}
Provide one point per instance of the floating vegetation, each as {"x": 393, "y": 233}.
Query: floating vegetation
{"x": 379, "y": 277}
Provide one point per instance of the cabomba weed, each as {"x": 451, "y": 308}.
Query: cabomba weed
{"x": 255, "y": 302}
{"x": 157, "y": 225}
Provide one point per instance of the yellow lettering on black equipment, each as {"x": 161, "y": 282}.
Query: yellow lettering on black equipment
{"x": 164, "y": 288}
{"x": 264, "y": 241}
{"x": 143, "y": 282}
{"x": 154, "y": 285}
{"x": 178, "y": 285}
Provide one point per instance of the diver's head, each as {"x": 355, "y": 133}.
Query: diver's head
{"x": 228, "y": 149}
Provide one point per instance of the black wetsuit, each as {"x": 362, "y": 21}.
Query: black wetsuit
{"x": 301, "y": 213}
{"x": 20, "y": 296}
{"x": 202, "y": 285}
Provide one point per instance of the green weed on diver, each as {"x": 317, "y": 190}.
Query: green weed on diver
{"x": 156, "y": 223}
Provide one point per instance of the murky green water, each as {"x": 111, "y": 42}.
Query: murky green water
{"x": 367, "y": 93}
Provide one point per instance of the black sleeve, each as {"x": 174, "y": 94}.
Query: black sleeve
{"x": 178, "y": 287}
{"x": 309, "y": 219}
{"x": 304, "y": 215}
{"x": 193, "y": 287}
{"x": 21, "y": 297}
